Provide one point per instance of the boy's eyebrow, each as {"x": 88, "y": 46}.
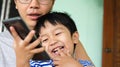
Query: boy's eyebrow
{"x": 58, "y": 28}
{"x": 43, "y": 35}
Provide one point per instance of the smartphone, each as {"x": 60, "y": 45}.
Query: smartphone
{"x": 23, "y": 30}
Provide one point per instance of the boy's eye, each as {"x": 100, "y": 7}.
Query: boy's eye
{"x": 44, "y": 40}
{"x": 58, "y": 33}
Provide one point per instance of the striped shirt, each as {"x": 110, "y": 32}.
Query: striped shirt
{"x": 49, "y": 63}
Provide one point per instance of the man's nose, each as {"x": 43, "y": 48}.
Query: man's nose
{"x": 34, "y": 4}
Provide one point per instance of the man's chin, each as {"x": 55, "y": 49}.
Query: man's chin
{"x": 32, "y": 25}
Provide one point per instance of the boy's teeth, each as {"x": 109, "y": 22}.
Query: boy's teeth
{"x": 56, "y": 50}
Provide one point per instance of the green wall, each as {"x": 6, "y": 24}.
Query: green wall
{"x": 88, "y": 15}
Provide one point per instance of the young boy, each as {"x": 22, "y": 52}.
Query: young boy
{"x": 58, "y": 35}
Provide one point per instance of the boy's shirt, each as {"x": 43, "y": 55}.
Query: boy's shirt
{"x": 49, "y": 63}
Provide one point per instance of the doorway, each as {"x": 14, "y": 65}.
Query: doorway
{"x": 111, "y": 34}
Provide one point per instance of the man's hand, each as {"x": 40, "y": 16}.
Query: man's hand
{"x": 24, "y": 49}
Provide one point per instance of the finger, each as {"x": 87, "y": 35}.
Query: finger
{"x": 56, "y": 63}
{"x": 14, "y": 33}
{"x": 29, "y": 37}
{"x": 61, "y": 52}
{"x": 38, "y": 50}
{"x": 57, "y": 58}
{"x": 68, "y": 53}
{"x": 34, "y": 44}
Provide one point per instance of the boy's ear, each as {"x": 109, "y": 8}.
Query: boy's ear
{"x": 75, "y": 37}
{"x": 16, "y": 7}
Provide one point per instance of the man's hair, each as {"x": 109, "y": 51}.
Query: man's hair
{"x": 55, "y": 18}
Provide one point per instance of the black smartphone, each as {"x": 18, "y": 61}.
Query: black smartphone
{"x": 22, "y": 30}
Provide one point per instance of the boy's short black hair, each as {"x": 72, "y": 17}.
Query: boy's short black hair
{"x": 56, "y": 18}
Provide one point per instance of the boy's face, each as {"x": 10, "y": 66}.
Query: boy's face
{"x": 32, "y": 10}
{"x": 57, "y": 37}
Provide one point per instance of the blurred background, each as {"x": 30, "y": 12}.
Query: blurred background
{"x": 88, "y": 15}
{"x": 98, "y": 23}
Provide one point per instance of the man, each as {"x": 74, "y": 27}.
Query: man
{"x": 29, "y": 11}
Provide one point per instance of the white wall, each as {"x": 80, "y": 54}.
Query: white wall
{"x": 88, "y": 15}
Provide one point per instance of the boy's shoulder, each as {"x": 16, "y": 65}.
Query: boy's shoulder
{"x": 49, "y": 63}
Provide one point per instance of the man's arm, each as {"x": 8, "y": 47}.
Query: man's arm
{"x": 81, "y": 54}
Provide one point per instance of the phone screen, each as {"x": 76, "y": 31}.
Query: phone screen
{"x": 22, "y": 30}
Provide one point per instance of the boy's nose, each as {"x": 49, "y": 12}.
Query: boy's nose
{"x": 34, "y": 4}
{"x": 53, "y": 41}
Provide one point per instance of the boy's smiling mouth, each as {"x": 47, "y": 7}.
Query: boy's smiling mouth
{"x": 55, "y": 50}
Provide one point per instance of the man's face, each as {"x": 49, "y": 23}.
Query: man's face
{"x": 31, "y": 11}
{"x": 57, "y": 37}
